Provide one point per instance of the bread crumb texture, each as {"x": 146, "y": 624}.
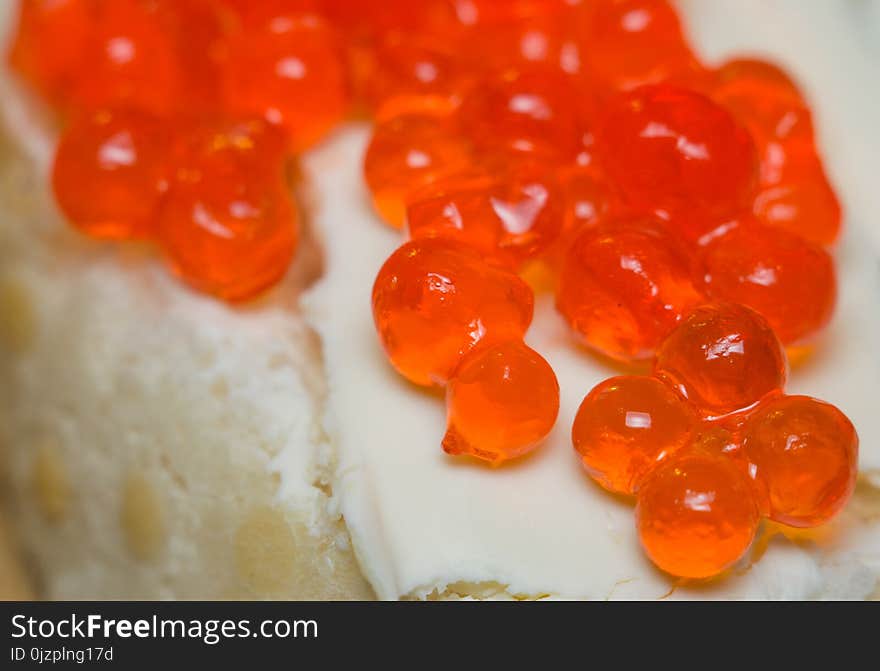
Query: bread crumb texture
{"x": 145, "y": 427}
{"x": 17, "y": 318}
{"x": 51, "y": 486}
{"x": 142, "y": 518}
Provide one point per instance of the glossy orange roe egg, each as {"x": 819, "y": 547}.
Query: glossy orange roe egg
{"x": 780, "y": 161}
{"x": 523, "y": 111}
{"x": 623, "y": 287}
{"x": 588, "y": 199}
{"x": 228, "y": 226}
{"x": 250, "y": 14}
{"x": 804, "y": 454}
{"x": 49, "y": 44}
{"x": 764, "y": 98}
{"x": 110, "y": 171}
{"x": 369, "y": 21}
{"x": 291, "y": 72}
{"x": 501, "y": 403}
{"x": 672, "y": 150}
{"x": 806, "y": 205}
{"x": 414, "y": 75}
{"x": 719, "y": 439}
{"x": 767, "y": 102}
{"x": 434, "y": 300}
{"x": 406, "y": 154}
{"x": 635, "y": 42}
{"x": 129, "y": 60}
{"x": 481, "y": 12}
{"x": 626, "y": 426}
{"x": 722, "y": 357}
{"x": 790, "y": 281}
{"x": 696, "y": 514}
{"x": 549, "y": 40}
{"x": 197, "y": 30}
{"x": 510, "y": 219}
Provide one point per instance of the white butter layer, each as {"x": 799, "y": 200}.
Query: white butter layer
{"x": 421, "y": 521}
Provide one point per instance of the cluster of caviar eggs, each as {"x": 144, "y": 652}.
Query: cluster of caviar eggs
{"x": 178, "y": 122}
{"x": 679, "y": 213}
{"x": 709, "y": 443}
{"x": 681, "y": 216}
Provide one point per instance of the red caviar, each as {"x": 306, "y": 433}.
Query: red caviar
{"x": 413, "y": 76}
{"x": 716, "y": 439}
{"x": 228, "y": 226}
{"x": 771, "y": 271}
{"x": 674, "y": 151}
{"x": 502, "y": 401}
{"x": 197, "y": 32}
{"x": 523, "y": 112}
{"x": 129, "y": 60}
{"x": 696, "y": 514}
{"x": 510, "y": 218}
{"x": 481, "y": 12}
{"x": 366, "y": 22}
{"x": 549, "y": 40}
{"x": 406, "y": 154}
{"x": 587, "y": 198}
{"x": 49, "y": 45}
{"x": 289, "y": 71}
{"x": 110, "y": 171}
{"x": 764, "y": 98}
{"x": 723, "y": 358}
{"x": 804, "y": 457}
{"x": 635, "y": 42}
{"x": 623, "y": 287}
{"x": 256, "y": 14}
{"x": 434, "y": 300}
{"x": 806, "y": 205}
{"x": 769, "y": 104}
{"x": 626, "y": 426}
